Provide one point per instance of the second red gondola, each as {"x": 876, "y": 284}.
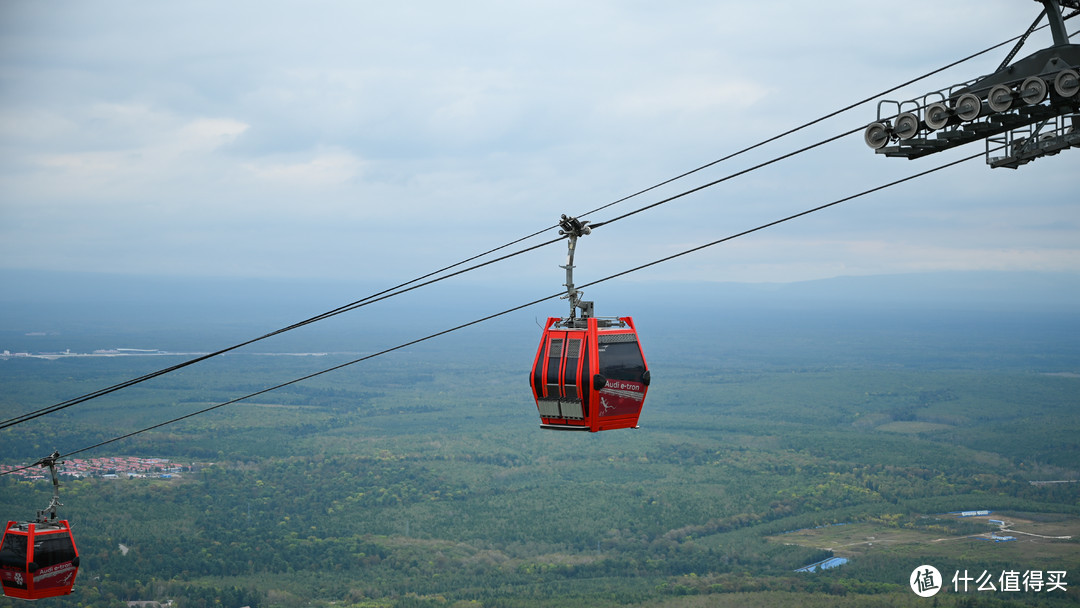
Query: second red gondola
{"x": 38, "y": 559}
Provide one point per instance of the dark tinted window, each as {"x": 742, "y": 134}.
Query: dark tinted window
{"x": 554, "y": 358}
{"x": 13, "y": 553}
{"x": 53, "y": 549}
{"x": 573, "y": 350}
{"x": 621, "y": 361}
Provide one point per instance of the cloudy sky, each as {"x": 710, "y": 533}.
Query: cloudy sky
{"x": 376, "y": 141}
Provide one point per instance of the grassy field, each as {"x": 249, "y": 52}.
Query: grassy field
{"x": 1037, "y": 536}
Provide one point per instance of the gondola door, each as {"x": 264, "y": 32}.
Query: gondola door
{"x": 622, "y": 378}
{"x": 561, "y": 363}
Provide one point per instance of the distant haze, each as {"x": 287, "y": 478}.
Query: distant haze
{"x": 35, "y": 300}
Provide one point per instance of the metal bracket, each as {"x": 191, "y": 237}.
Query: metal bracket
{"x": 574, "y": 228}
{"x": 1055, "y": 15}
{"x": 48, "y": 514}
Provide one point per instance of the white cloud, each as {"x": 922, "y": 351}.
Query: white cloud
{"x": 689, "y": 95}
{"x": 131, "y": 152}
{"x": 323, "y": 169}
{"x": 207, "y": 134}
{"x": 337, "y": 130}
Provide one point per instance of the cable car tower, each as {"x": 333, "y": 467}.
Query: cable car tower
{"x": 589, "y": 373}
{"x": 38, "y": 559}
{"x": 1024, "y": 110}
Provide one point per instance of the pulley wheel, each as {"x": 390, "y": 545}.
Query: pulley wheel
{"x": 1033, "y": 91}
{"x": 907, "y": 125}
{"x": 1067, "y": 83}
{"x": 876, "y": 135}
{"x": 937, "y": 115}
{"x": 1000, "y": 98}
{"x": 968, "y": 107}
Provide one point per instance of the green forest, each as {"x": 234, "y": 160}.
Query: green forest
{"x": 421, "y": 479}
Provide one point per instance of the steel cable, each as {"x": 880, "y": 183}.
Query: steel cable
{"x": 522, "y": 306}
{"x": 416, "y": 282}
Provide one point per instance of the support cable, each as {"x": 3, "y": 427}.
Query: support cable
{"x": 383, "y": 295}
{"x": 386, "y": 294}
{"x": 522, "y": 306}
{"x": 393, "y": 291}
{"x": 725, "y": 178}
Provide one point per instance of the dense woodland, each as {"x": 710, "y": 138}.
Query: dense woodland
{"x": 420, "y": 479}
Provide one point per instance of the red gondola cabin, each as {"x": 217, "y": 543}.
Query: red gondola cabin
{"x": 38, "y": 560}
{"x": 590, "y": 375}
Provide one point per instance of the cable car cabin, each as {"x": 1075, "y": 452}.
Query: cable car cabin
{"x": 590, "y": 376}
{"x": 38, "y": 560}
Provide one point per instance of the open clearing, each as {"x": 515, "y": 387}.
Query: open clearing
{"x": 1035, "y": 536}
